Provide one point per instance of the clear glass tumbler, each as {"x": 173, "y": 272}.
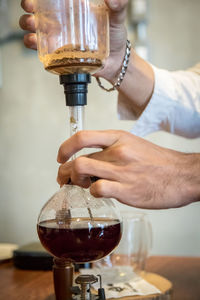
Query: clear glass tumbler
{"x": 136, "y": 241}
{"x": 72, "y": 35}
{"x": 129, "y": 258}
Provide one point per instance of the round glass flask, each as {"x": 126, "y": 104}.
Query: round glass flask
{"x": 76, "y": 227}
{"x": 72, "y": 35}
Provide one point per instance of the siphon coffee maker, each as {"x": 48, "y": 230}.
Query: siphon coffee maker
{"x": 75, "y": 227}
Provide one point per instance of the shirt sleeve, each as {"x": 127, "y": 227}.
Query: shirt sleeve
{"x": 174, "y": 106}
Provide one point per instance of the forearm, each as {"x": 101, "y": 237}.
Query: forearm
{"x": 190, "y": 177}
{"x": 138, "y": 83}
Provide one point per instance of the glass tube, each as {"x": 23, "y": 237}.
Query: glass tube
{"x": 76, "y": 114}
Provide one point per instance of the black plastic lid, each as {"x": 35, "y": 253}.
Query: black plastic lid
{"x": 75, "y": 88}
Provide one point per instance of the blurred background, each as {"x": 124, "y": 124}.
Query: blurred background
{"x": 34, "y": 119}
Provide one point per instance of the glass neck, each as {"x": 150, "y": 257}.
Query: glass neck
{"x": 76, "y": 116}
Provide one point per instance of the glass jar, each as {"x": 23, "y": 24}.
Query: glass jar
{"x": 72, "y": 35}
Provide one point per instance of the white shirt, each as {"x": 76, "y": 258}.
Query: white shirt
{"x": 174, "y": 106}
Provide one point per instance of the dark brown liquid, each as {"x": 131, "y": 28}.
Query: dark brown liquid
{"x": 83, "y": 241}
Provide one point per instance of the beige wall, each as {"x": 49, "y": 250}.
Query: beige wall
{"x": 33, "y": 123}
{"x": 174, "y": 33}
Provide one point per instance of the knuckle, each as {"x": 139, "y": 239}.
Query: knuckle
{"x": 61, "y": 170}
{"x": 99, "y": 188}
{"x": 122, "y": 151}
{"x": 61, "y": 149}
{"x": 80, "y": 137}
{"x": 79, "y": 164}
{"x": 63, "y": 173}
{"x": 62, "y": 156}
{"x": 119, "y": 152}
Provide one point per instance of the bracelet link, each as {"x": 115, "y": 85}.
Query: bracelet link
{"x": 123, "y": 70}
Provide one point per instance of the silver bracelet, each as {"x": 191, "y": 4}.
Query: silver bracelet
{"x": 123, "y": 70}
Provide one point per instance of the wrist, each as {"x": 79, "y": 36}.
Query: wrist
{"x": 113, "y": 64}
{"x": 112, "y": 67}
{"x": 120, "y": 78}
{"x": 138, "y": 85}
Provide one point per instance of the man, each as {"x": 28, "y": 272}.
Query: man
{"x": 132, "y": 170}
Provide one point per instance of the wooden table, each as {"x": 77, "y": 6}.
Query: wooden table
{"x": 183, "y": 272}
{"x": 38, "y": 285}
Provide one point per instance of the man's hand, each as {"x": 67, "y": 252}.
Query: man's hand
{"x": 137, "y": 86}
{"x": 117, "y": 12}
{"x": 131, "y": 170}
{"x": 118, "y": 38}
{"x": 27, "y": 22}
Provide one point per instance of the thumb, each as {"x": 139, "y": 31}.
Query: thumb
{"x": 116, "y": 5}
{"x": 117, "y": 10}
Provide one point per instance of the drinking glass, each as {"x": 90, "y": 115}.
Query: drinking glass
{"x": 129, "y": 258}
